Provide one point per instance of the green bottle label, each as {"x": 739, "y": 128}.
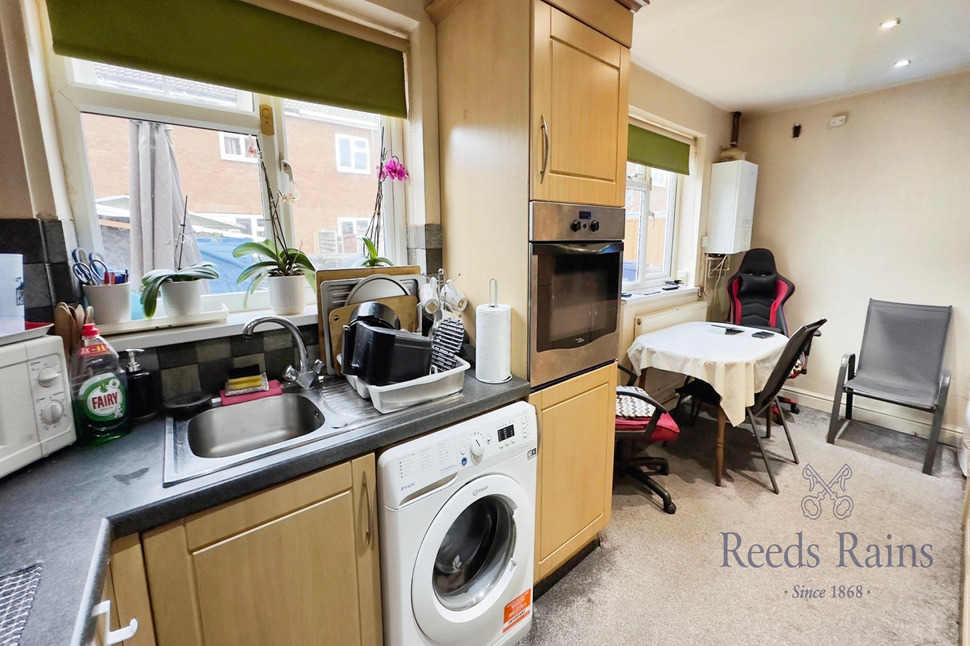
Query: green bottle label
{"x": 102, "y": 398}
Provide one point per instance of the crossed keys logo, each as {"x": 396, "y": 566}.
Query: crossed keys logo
{"x": 812, "y": 504}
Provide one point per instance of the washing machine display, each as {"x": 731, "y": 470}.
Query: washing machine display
{"x": 457, "y": 532}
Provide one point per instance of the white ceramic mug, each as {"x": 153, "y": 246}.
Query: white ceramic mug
{"x": 111, "y": 303}
{"x": 429, "y": 296}
{"x": 452, "y": 297}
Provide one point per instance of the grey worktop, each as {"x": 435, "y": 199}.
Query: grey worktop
{"x": 64, "y": 510}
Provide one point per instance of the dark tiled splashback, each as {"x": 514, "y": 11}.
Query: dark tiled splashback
{"x": 47, "y": 268}
{"x": 204, "y": 365}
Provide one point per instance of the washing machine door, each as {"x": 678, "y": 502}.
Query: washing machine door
{"x": 475, "y": 559}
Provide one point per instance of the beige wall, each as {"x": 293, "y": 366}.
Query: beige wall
{"x": 666, "y": 104}
{"x": 879, "y": 208}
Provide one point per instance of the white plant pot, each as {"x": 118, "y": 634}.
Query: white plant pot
{"x": 287, "y": 294}
{"x": 182, "y": 298}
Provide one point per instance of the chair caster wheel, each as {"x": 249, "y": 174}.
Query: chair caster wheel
{"x": 795, "y": 409}
{"x": 665, "y": 470}
{"x": 671, "y": 508}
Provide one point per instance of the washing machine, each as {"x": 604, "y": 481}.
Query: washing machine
{"x": 457, "y": 519}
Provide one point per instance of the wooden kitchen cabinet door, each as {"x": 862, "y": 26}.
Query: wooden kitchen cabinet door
{"x": 580, "y": 103}
{"x": 295, "y": 564}
{"x": 575, "y": 469}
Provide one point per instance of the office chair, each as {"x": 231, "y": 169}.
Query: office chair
{"x": 900, "y": 362}
{"x": 640, "y": 418}
{"x": 757, "y": 295}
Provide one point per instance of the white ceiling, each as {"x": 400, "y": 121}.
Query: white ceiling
{"x": 762, "y": 55}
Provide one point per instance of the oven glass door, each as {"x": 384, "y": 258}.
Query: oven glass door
{"x": 577, "y": 293}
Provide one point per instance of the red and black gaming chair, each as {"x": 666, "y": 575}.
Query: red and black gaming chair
{"x": 758, "y": 293}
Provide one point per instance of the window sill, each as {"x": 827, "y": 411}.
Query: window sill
{"x": 231, "y": 327}
{"x": 659, "y": 296}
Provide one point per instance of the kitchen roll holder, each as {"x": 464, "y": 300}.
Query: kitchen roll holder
{"x": 493, "y": 331}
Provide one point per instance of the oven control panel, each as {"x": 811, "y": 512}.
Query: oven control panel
{"x": 553, "y": 222}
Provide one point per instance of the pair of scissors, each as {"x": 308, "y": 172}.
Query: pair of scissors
{"x": 85, "y": 274}
{"x": 94, "y": 262}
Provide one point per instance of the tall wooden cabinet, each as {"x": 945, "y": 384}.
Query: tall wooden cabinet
{"x": 580, "y": 110}
{"x": 575, "y": 477}
{"x": 532, "y": 105}
{"x": 295, "y": 564}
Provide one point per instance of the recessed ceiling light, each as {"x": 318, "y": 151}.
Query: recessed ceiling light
{"x": 889, "y": 24}
{"x": 902, "y": 63}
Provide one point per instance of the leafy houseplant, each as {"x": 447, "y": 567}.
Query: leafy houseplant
{"x": 372, "y": 259}
{"x": 283, "y": 265}
{"x": 163, "y": 279}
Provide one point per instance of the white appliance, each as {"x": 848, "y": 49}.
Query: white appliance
{"x": 457, "y": 518}
{"x": 35, "y": 402}
{"x": 731, "y": 213}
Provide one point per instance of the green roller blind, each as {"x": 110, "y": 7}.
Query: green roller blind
{"x": 656, "y": 151}
{"x": 232, "y": 43}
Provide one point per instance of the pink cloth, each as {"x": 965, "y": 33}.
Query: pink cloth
{"x": 665, "y": 431}
{"x": 274, "y": 389}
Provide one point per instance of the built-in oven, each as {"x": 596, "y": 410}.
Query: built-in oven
{"x": 574, "y": 288}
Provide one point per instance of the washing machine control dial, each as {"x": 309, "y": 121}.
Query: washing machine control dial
{"x": 477, "y": 447}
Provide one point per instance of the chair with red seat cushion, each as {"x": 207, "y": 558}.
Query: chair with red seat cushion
{"x": 641, "y": 419}
{"x": 757, "y": 294}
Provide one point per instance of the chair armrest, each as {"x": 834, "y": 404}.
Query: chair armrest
{"x": 848, "y": 366}
{"x": 626, "y": 391}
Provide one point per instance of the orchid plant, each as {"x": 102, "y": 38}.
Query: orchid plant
{"x": 389, "y": 169}
{"x": 152, "y": 281}
{"x": 274, "y": 257}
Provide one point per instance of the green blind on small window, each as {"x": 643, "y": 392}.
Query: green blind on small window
{"x": 656, "y": 151}
{"x": 232, "y": 43}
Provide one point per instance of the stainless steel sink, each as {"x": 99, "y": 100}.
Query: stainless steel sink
{"x": 252, "y": 432}
{"x": 227, "y": 436}
{"x": 231, "y": 430}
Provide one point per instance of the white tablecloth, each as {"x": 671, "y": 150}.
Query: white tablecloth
{"x": 737, "y": 366}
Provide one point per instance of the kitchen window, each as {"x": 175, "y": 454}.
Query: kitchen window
{"x": 651, "y": 208}
{"x": 211, "y": 129}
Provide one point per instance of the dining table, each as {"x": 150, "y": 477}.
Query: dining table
{"x": 735, "y": 360}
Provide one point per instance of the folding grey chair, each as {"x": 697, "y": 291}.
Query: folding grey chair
{"x": 901, "y": 362}
{"x": 764, "y": 400}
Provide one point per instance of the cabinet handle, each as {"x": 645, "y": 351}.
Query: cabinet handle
{"x": 366, "y": 491}
{"x": 538, "y": 430}
{"x": 545, "y": 148}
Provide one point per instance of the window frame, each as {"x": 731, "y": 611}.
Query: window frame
{"x": 72, "y": 97}
{"x": 644, "y": 182}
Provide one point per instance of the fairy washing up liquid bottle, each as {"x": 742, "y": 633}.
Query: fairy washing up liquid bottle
{"x": 100, "y": 390}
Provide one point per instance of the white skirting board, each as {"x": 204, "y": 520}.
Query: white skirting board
{"x": 864, "y": 413}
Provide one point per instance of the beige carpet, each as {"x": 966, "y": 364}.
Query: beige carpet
{"x": 658, "y": 579}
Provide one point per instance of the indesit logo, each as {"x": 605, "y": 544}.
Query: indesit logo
{"x": 812, "y": 504}
{"x": 475, "y": 492}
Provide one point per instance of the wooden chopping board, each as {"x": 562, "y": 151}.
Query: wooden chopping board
{"x": 406, "y": 308}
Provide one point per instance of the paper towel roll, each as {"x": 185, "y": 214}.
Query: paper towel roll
{"x": 493, "y": 347}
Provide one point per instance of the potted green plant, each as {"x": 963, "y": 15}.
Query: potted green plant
{"x": 284, "y": 268}
{"x": 180, "y": 287}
